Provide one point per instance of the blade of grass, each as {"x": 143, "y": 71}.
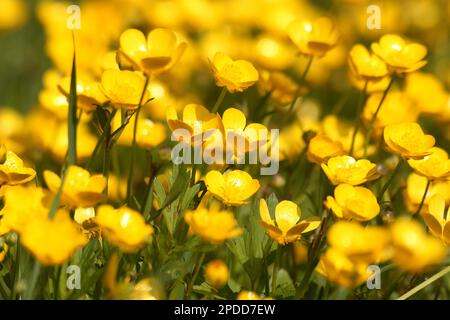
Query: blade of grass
{"x": 72, "y": 116}
{"x": 424, "y": 284}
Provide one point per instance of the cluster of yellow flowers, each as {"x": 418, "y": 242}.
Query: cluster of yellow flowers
{"x": 88, "y": 176}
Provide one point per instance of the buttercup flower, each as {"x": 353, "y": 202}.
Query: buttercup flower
{"x": 124, "y": 89}
{"x": 428, "y": 94}
{"x": 435, "y": 165}
{"x": 80, "y": 188}
{"x": 397, "y": 108}
{"x": 149, "y": 134}
{"x": 313, "y": 38}
{"x": 349, "y": 202}
{"x": 250, "y": 295}
{"x": 345, "y": 169}
{"x": 357, "y": 242}
{"x": 196, "y": 120}
{"x": 365, "y": 64}
{"x": 3, "y": 251}
{"x": 400, "y": 56}
{"x": 17, "y": 213}
{"x": 123, "y": 227}
{"x": 154, "y": 55}
{"x": 13, "y": 14}
{"x": 213, "y": 225}
{"x": 286, "y": 227}
{"x": 236, "y": 75}
{"x": 233, "y": 188}
{"x": 414, "y": 250}
{"x": 415, "y": 189}
{"x": 282, "y": 89}
{"x": 272, "y": 54}
{"x": 321, "y": 148}
{"x": 217, "y": 273}
{"x": 89, "y": 94}
{"x": 438, "y": 218}
{"x": 12, "y": 169}
{"x": 235, "y": 138}
{"x": 52, "y": 241}
{"x": 337, "y": 267}
{"x": 408, "y": 140}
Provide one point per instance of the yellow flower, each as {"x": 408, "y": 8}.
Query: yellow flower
{"x": 408, "y": 140}
{"x": 213, "y": 225}
{"x": 13, "y": 14}
{"x": 217, "y": 273}
{"x": 3, "y": 251}
{"x": 196, "y": 120}
{"x": 80, "y": 188}
{"x": 233, "y": 188}
{"x": 434, "y": 166}
{"x": 50, "y": 97}
{"x": 321, "y": 148}
{"x": 235, "y": 138}
{"x": 12, "y": 169}
{"x": 282, "y": 88}
{"x": 273, "y": 54}
{"x": 428, "y": 93}
{"x": 286, "y": 227}
{"x": 52, "y": 241}
{"x": 154, "y": 55}
{"x": 145, "y": 289}
{"x": 17, "y": 213}
{"x": 397, "y": 108}
{"x": 345, "y": 169}
{"x": 236, "y": 75}
{"x": 337, "y": 267}
{"x": 313, "y": 38}
{"x": 414, "y": 250}
{"x": 438, "y": 220}
{"x": 400, "y": 56}
{"x": 149, "y": 134}
{"x": 123, "y": 227}
{"x": 124, "y": 89}
{"x": 366, "y": 65}
{"x": 11, "y": 130}
{"x": 351, "y": 202}
{"x": 415, "y": 189}
{"x": 300, "y": 252}
{"x": 373, "y": 86}
{"x": 357, "y": 242}
{"x": 250, "y": 295}
{"x": 89, "y": 93}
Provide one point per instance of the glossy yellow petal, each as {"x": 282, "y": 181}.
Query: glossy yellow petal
{"x": 287, "y": 213}
{"x": 264, "y": 212}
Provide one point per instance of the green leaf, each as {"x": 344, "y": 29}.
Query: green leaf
{"x": 177, "y": 292}
{"x": 72, "y": 116}
{"x": 284, "y": 287}
{"x": 189, "y": 196}
{"x": 179, "y": 185}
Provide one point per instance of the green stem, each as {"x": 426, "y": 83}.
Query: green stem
{"x": 424, "y": 284}
{"x": 33, "y": 280}
{"x": 302, "y": 79}
{"x": 219, "y": 100}
{"x": 197, "y": 267}
{"x": 276, "y": 265}
{"x": 374, "y": 116}
{"x": 16, "y": 271}
{"x": 389, "y": 182}
{"x": 362, "y": 99}
{"x": 134, "y": 145}
{"x": 423, "y": 198}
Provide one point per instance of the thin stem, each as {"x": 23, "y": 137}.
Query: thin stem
{"x": 362, "y": 99}
{"x": 33, "y": 280}
{"x": 219, "y": 100}
{"x": 302, "y": 79}
{"x": 374, "y": 116}
{"x": 424, "y": 284}
{"x": 423, "y": 198}
{"x": 276, "y": 265}
{"x": 197, "y": 267}
{"x": 389, "y": 182}
{"x": 134, "y": 146}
